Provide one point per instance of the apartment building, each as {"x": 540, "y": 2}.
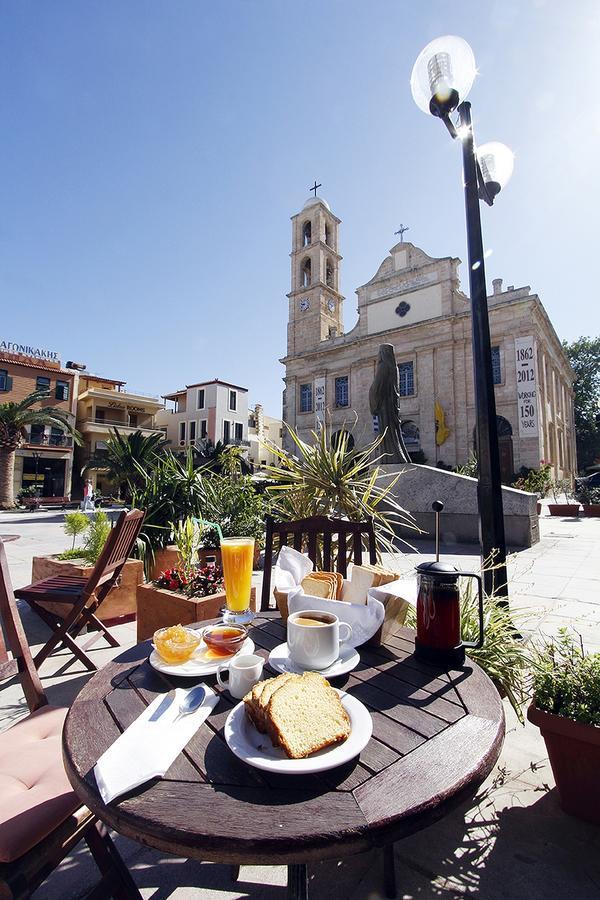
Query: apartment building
{"x": 208, "y": 410}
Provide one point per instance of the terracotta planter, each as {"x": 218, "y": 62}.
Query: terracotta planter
{"x": 564, "y": 509}
{"x": 538, "y": 507}
{"x": 119, "y": 605}
{"x": 167, "y": 558}
{"x": 159, "y": 608}
{"x": 591, "y": 510}
{"x": 574, "y": 751}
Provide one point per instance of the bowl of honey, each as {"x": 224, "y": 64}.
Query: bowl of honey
{"x": 225, "y": 640}
{"x": 176, "y": 644}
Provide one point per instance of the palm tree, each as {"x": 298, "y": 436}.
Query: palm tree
{"x": 126, "y": 458}
{"x": 15, "y": 418}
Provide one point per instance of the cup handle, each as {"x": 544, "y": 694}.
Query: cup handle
{"x": 348, "y": 635}
{"x": 224, "y": 667}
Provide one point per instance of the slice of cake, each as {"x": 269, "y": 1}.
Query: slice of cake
{"x": 305, "y": 715}
{"x": 256, "y": 701}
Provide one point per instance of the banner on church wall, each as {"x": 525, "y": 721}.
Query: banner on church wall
{"x": 319, "y": 401}
{"x": 527, "y": 394}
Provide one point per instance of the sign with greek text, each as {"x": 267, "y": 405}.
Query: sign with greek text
{"x": 28, "y": 350}
{"x": 319, "y": 401}
{"x": 527, "y": 398}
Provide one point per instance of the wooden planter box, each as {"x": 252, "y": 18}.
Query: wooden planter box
{"x": 591, "y": 510}
{"x": 564, "y": 509}
{"x": 167, "y": 558}
{"x": 119, "y": 605}
{"x": 574, "y": 752}
{"x": 160, "y": 608}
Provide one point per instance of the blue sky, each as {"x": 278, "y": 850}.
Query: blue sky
{"x": 152, "y": 154}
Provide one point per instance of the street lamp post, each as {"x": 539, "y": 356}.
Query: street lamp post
{"x": 441, "y": 78}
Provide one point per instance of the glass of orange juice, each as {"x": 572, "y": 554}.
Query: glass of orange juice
{"x": 237, "y": 557}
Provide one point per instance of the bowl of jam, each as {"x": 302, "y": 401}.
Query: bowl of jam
{"x": 176, "y": 644}
{"x": 224, "y": 640}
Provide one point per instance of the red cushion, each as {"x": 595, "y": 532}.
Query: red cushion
{"x": 36, "y": 794}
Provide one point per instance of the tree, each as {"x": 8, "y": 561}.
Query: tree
{"x": 584, "y": 356}
{"x": 126, "y": 458}
{"x": 15, "y": 418}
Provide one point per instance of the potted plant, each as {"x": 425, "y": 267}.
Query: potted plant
{"x": 120, "y": 604}
{"x": 187, "y": 593}
{"x": 589, "y": 497}
{"x": 566, "y": 709}
{"x": 238, "y": 509}
{"x": 559, "y": 488}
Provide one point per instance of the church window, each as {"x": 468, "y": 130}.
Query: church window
{"x": 306, "y": 273}
{"x": 407, "y": 379}
{"x": 496, "y": 366}
{"x": 306, "y": 234}
{"x": 329, "y": 273}
{"x": 328, "y": 235}
{"x": 341, "y": 391}
{"x": 306, "y": 398}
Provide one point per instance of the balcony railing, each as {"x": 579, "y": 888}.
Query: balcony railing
{"x": 114, "y": 423}
{"x": 49, "y": 440}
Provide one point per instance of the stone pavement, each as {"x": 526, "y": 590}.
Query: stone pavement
{"x": 511, "y": 841}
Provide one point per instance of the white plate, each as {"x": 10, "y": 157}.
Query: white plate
{"x": 281, "y": 661}
{"x": 256, "y": 749}
{"x": 198, "y": 665}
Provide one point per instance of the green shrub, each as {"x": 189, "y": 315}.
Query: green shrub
{"x": 535, "y": 481}
{"x": 95, "y": 539}
{"x": 566, "y": 681}
{"x": 75, "y": 523}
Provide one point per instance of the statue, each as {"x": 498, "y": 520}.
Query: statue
{"x": 384, "y": 400}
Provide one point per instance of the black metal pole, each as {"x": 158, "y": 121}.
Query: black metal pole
{"x": 489, "y": 487}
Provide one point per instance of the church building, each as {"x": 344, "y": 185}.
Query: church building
{"x": 415, "y": 303}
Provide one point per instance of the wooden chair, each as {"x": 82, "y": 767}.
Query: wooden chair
{"x": 41, "y": 817}
{"x": 313, "y": 532}
{"x": 85, "y": 595}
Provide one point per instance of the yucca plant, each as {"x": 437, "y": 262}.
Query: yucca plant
{"x": 331, "y": 478}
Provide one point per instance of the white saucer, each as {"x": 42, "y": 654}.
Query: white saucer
{"x": 280, "y": 660}
{"x": 198, "y": 665}
{"x": 256, "y": 749}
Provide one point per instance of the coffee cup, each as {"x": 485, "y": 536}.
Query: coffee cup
{"x": 314, "y": 637}
{"x": 243, "y": 673}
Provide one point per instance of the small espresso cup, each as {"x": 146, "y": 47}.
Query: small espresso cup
{"x": 314, "y": 637}
{"x": 244, "y": 673}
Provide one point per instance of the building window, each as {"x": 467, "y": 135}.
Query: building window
{"x": 306, "y": 398}
{"x": 62, "y": 390}
{"x": 407, "y": 379}
{"x": 306, "y": 234}
{"x": 496, "y": 366}
{"x": 192, "y": 432}
{"x": 306, "y": 273}
{"x": 329, "y": 274}
{"x": 133, "y": 420}
{"x": 239, "y": 431}
{"x": 100, "y": 415}
{"x": 5, "y": 381}
{"x": 37, "y": 434}
{"x": 182, "y": 432}
{"x": 341, "y": 391}
{"x": 200, "y": 403}
{"x": 42, "y": 383}
{"x": 226, "y": 431}
{"x": 328, "y": 235}
{"x": 203, "y": 429}
{"x": 232, "y": 401}
{"x": 57, "y": 437}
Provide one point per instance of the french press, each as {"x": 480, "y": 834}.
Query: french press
{"x": 438, "y": 609}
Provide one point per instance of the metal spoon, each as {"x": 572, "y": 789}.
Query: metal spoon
{"x": 192, "y": 701}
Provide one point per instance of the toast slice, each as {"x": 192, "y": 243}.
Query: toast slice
{"x": 305, "y": 715}
{"x": 259, "y": 699}
{"x": 319, "y": 587}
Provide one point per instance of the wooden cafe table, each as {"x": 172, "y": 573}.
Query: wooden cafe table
{"x": 436, "y": 736}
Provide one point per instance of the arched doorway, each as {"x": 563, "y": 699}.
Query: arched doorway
{"x": 505, "y": 448}
{"x": 338, "y": 435}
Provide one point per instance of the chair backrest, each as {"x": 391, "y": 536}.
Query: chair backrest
{"x": 310, "y": 533}
{"x": 15, "y": 641}
{"x": 114, "y": 554}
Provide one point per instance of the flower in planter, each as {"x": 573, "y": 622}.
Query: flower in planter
{"x": 172, "y": 580}
{"x": 202, "y": 581}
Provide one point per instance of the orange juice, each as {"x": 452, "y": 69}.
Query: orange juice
{"x": 237, "y": 556}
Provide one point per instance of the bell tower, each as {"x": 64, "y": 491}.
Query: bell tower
{"x": 315, "y": 303}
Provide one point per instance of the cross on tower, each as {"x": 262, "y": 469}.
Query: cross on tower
{"x": 401, "y": 231}
{"x": 315, "y": 186}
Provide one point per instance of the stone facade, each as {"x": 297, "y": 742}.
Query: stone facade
{"x": 415, "y": 303}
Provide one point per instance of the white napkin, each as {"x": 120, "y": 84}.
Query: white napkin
{"x": 147, "y": 748}
{"x": 405, "y": 587}
{"x": 290, "y": 569}
{"x": 364, "y": 619}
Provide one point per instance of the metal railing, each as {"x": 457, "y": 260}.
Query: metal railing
{"x": 49, "y": 440}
